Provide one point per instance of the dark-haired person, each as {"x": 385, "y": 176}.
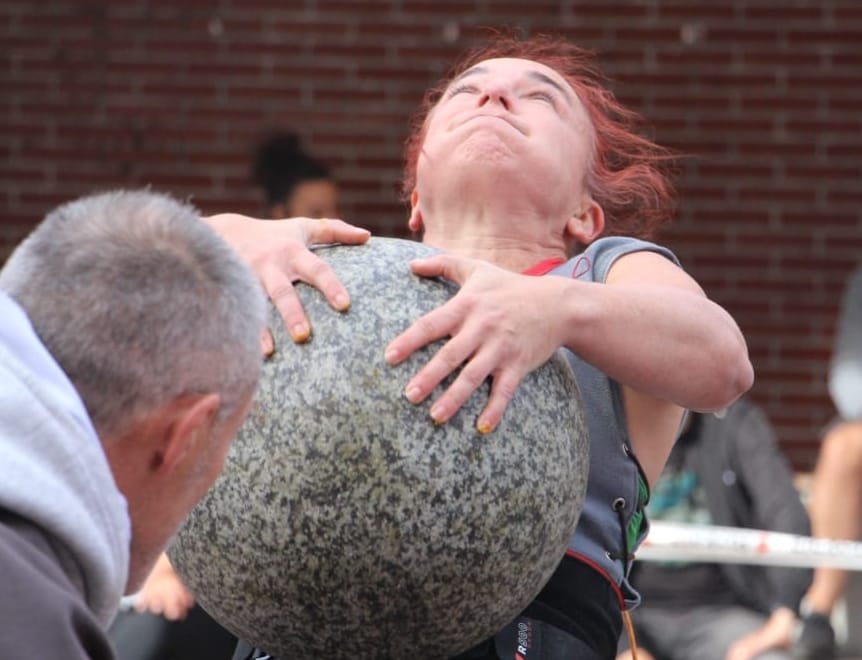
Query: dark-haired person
{"x": 294, "y": 183}
{"x": 717, "y": 475}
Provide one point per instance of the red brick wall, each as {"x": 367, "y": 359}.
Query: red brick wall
{"x": 764, "y": 97}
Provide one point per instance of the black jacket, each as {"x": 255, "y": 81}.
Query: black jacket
{"x": 748, "y": 482}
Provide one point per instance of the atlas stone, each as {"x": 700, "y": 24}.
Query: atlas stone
{"x": 346, "y": 524}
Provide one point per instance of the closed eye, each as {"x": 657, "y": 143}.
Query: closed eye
{"x": 542, "y": 96}
{"x": 462, "y": 89}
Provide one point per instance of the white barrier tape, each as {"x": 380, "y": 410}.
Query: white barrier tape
{"x": 736, "y": 545}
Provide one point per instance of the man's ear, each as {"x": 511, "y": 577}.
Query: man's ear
{"x": 192, "y": 420}
{"x": 587, "y": 224}
{"x": 414, "y": 224}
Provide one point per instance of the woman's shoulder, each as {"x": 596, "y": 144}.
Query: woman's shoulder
{"x": 597, "y": 258}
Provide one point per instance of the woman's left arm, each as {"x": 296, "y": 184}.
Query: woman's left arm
{"x": 652, "y": 328}
{"x": 691, "y": 354}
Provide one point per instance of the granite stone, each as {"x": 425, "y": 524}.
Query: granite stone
{"x": 346, "y": 524}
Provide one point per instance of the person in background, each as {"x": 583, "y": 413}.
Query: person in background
{"x": 294, "y": 184}
{"x": 835, "y": 503}
{"x": 727, "y": 471}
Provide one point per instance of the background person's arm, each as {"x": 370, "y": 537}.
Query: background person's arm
{"x": 164, "y": 593}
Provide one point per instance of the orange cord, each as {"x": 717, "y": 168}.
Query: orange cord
{"x": 630, "y": 633}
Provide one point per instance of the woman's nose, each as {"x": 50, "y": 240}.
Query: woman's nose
{"x": 495, "y": 94}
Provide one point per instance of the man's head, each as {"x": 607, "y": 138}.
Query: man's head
{"x": 622, "y": 172}
{"x": 157, "y": 323}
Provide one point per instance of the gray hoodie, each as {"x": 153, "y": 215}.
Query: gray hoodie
{"x": 54, "y": 474}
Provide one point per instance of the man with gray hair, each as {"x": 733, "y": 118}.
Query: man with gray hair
{"x": 130, "y": 349}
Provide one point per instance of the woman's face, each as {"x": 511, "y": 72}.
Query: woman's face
{"x": 515, "y": 115}
{"x": 314, "y": 198}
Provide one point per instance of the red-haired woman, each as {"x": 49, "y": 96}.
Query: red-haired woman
{"x": 522, "y": 164}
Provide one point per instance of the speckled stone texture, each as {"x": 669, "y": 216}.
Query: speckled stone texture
{"x": 346, "y": 525}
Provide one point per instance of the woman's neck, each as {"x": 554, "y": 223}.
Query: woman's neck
{"x": 509, "y": 252}
{"x": 507, "y": 233}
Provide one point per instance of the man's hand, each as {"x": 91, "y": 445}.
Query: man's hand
{"x": 278, "y": 252}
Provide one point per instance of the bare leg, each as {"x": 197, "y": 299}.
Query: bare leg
{"x": 836, "y": 505}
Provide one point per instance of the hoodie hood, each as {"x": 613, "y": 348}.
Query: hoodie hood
{"x": 54, "y": 471}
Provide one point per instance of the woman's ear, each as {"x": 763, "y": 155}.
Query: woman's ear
{"x": 587, "y": 224}
{"x": 414, "y": 224}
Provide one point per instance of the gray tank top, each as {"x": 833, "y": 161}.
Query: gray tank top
{"x": 612, "y": 522}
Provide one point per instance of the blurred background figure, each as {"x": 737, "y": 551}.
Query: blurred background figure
{"x": 727, "y": 471}
{"x": 294, "y": 183}
{"x": 836, "y": 486}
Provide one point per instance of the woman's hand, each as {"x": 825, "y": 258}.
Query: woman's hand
{"x": 498, "y": 325}
{"x": 278, "y": 252}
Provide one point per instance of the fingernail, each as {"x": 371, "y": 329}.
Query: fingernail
{"x": 299, "y": 333}
{"x": 342, "y": 302}
{"x": 483, "y": 427}
{"x": 266, "y": 342}
{"x": 412, "y": 393}
{"x": 438, "y": 414}
{"x": 391, "y": 356}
